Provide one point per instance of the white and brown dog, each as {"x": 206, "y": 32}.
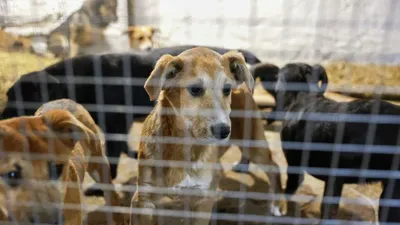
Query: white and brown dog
{"x": 194, "y": 93}
{"x": 141, "y": 37}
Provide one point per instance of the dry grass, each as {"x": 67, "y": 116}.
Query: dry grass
{"x": 343, "y": 73}
{"x": 14, "y": 64}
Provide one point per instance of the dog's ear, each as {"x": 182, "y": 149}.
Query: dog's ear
{"x": 163, "y": 74}
{"x": 268, "y": 74}
{"x": 235, "y": 62}
{"x": 265, "y": 71}
{"x": 66, "y": 127}
{"x": 154, "y": 30}
{"x": 319, "y": 72}
{"x": 130, "y": 30}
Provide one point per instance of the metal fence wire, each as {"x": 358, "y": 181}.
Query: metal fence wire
{"x": 83, "y": 143}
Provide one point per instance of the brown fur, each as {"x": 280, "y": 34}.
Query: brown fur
{"x": 83, "y": 28}
{"x": 141, "y": 37}
{"x": 10, "y": 42}
{"x": 168, "y": 83}
{"x": 61, "y": 117}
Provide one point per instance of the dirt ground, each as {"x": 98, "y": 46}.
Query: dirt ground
{"x": 18, "y": 63}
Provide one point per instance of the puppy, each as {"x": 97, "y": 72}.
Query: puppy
{"x": 50, "y": 83}
{"x": 250, "y": 129}
{"x": 141, "y": 37}
{"x": 83, "y": 28}
{"x": 197, "y": 80}
{"x": 299, "y": 93}
{"x": 30, "y": 176}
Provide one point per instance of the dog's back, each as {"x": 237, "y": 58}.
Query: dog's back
{"x": 84, "y": 27}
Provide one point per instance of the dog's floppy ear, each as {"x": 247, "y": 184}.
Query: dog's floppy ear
{"x": 166, "y": 69}
{"x": 154, "y": 30}
{"x": 268, "y": 74}
{"x": 129, "y": 30}
{"x": 66, "y": 127}
{"x": 319, "y": 72}
{"x": 236, "y": 64}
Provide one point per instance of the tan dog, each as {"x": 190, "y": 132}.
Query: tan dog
{"x": 242, "y": 100}
{"x": 141, "y": 37}
{"x": 193, "y": 91}
{"x": 41, "y": 150}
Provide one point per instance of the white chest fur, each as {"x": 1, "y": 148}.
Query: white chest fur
{"x": 196, "y": 177}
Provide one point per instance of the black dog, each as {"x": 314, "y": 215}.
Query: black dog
{"x": 110, "y": 86}
{"x": 298, "y": 95}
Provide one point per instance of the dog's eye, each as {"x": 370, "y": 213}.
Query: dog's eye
{"x": 196, "y": 90}
{"x": 141, "y": 38}
{"x": 13, "y": 178}
{"x": 227, "y": 89}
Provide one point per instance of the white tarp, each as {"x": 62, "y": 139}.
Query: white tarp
{"x": 282, "y": 30}
{"x": 276, "y": 30}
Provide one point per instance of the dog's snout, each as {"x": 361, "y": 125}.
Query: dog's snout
{"x": 148, "y": 48}
{"x": 220, "y": 130}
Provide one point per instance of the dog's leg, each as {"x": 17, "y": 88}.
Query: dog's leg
{"x": 204, "y": 206}
{"x": 252, "y": 129}
{"x": 100, "y": 172}
{"x": 73, "y": 46}
{"x": 293, "y": 182}
{"x": 144, "y": 201}
{"x": 390, "y": 214}
{"x": 73, "y": 197}
{"x": 330, "y": 210}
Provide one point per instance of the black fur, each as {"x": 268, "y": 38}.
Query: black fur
{"x": 303, "y": 128}
{"x": 50, "y": 84}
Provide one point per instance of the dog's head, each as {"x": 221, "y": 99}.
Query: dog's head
{"x": 15, "y": 43}
{"x": 141, "y": 37}
{"x": 29, "y": 174}
{"x": 301, "y": 77}
{"x": 293, "y": 77}
{"x": 197, "y": 85}
{"x": 107, "y": 11}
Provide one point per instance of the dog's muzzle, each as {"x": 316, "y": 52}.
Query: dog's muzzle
{"x": 220, "y": 130}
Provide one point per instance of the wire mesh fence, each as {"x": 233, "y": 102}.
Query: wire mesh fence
{"x": 209, "y": 136}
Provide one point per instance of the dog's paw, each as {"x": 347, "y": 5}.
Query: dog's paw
{"x": 146, "y": 213}
{"x": 275, "y": 210}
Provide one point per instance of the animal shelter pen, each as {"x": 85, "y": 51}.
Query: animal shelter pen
{"x": 315, "y": 140}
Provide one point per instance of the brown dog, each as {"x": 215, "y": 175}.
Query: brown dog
{"x": 193, "y": 92}
{"x": 83, "y": 28}
{"x": 141, "y": 37}
{"x": 41, "y": 150}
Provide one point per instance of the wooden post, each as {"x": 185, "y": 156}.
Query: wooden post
{"x": 131, "y": 13}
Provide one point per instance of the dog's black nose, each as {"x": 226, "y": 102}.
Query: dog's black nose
{"x": 220, "y": 130}
{"x": 148, "y": 48}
